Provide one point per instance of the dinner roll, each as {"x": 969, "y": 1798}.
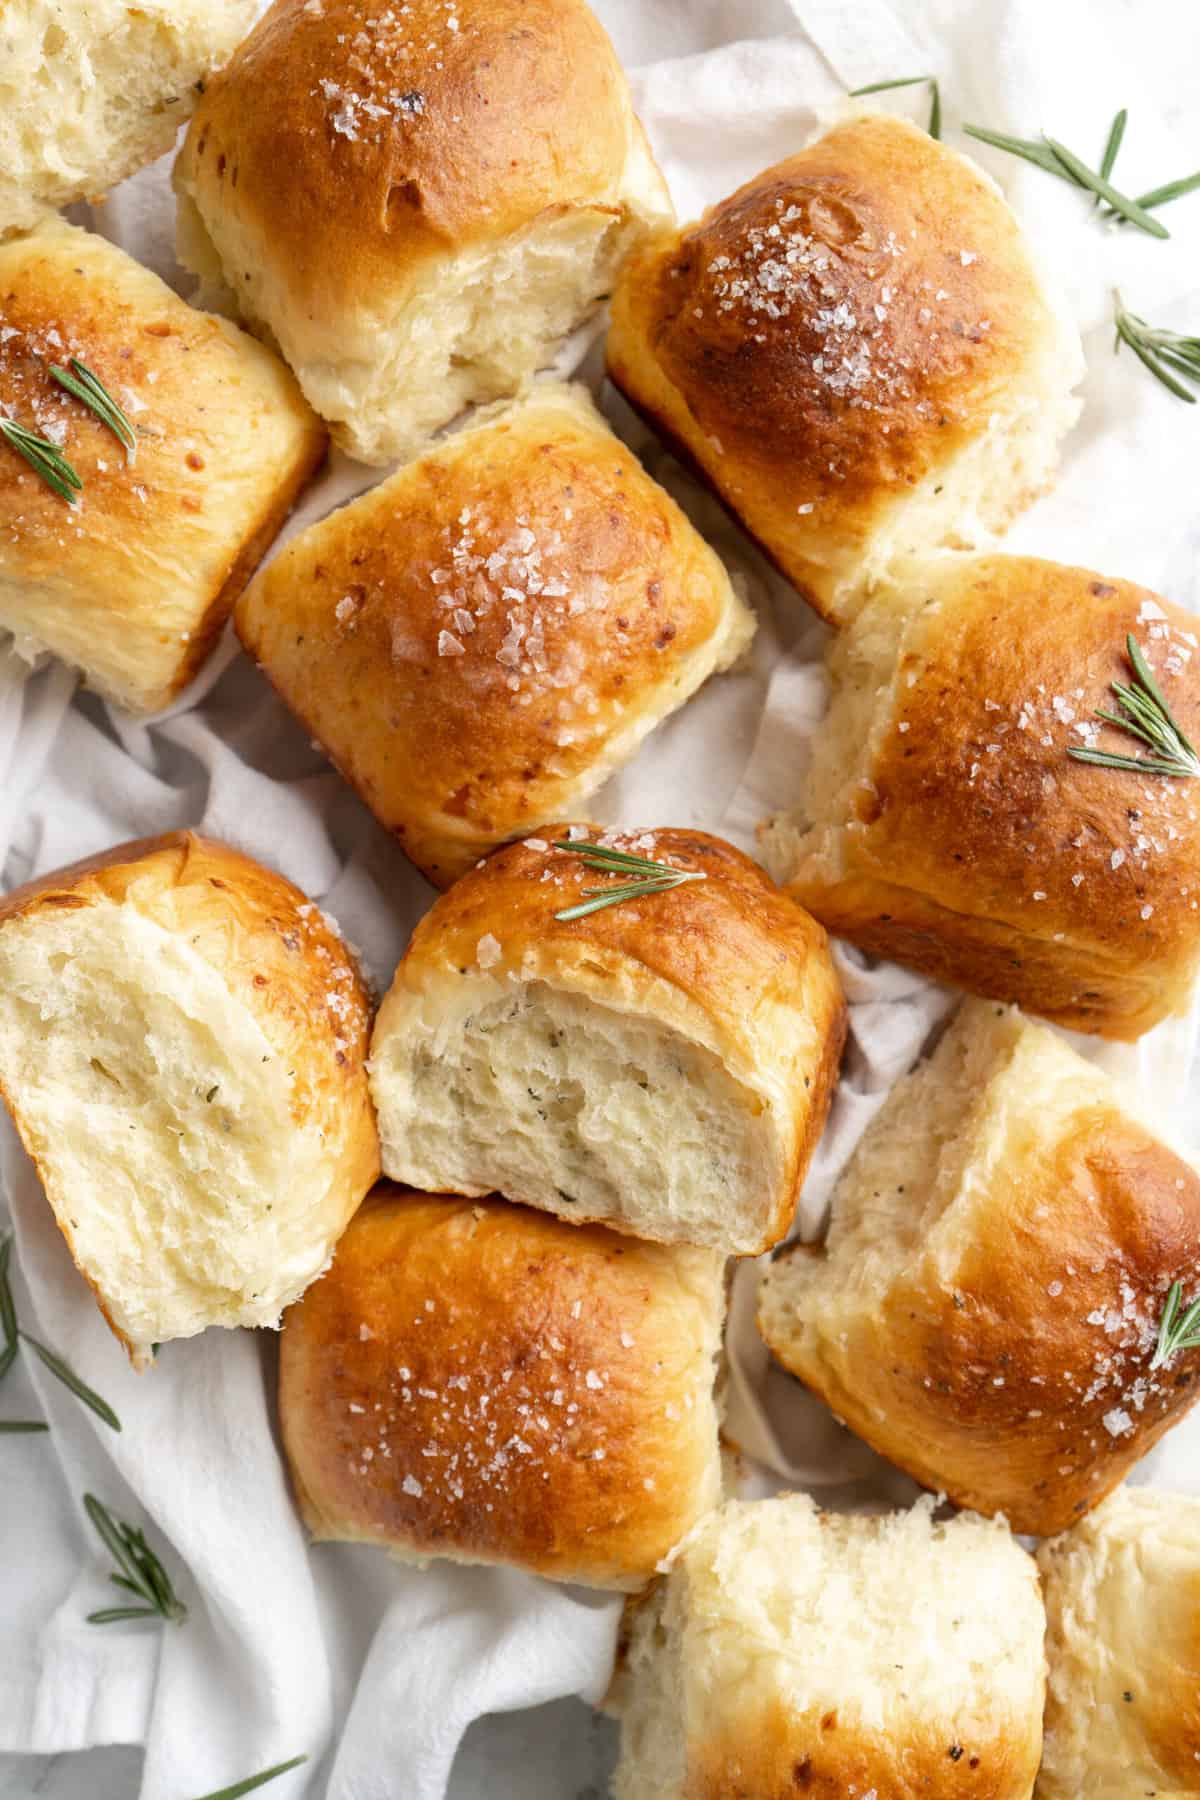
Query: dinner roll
{"x": 182, "y": 1038}
{"x": 476, "y": 1381}
{"x": 663, "y": 1064}
{"x": 1122, "y": 1592}
{"x": 437, "y": 194}
{"x": 857, "y": 352}
{"x": 134, "y": 581}
{"x": 482, "y": 639}
{"x": 944, "y": 824}
{"x": 985, "y": 1310}
{"x": 791, "y": 1651}
{"x": 92, "y": 91}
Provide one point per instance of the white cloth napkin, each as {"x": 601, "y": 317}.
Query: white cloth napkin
{"x": 372, "y": 1670}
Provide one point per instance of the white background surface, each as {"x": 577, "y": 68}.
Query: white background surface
{"x": 275, "y": 1648}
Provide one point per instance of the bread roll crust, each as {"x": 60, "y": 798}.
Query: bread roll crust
{"x": 977, "y": 850}
{"x": 1003, "y": 1356}
{"x": 279, "y": 956}
{"x": 728, "y": 962}
{"x": 135, "y": 582}
{"x": 475, "y": 1380}
{"x": 1122, "y": 1592}
{"x": 823, "y": 344}
{"x": 482, "y": 638}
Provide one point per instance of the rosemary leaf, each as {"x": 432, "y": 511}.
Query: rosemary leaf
{"x": 254, "y": 1781}
{"x": 1035, "y": 153}
{"x": 649, "y": 877}
{"x": 88, "y": 387}
{"x": 1170, "y": 190}
{"x": 70, "y": 1379}
{"x": 935, "y": 103}
{"x": 1145, "y": 715}
{"x": 1116, "y": 133}
{"x": 1176, "y": 1334}
{"x": 1120, "y": 203}
{"x": 1161, "y": 351}
{"x": 141, "y": 1573}
{"x": 15, "y": 1425}
{"x": 44, "y": 458}
{"x": 8, "y": 1311}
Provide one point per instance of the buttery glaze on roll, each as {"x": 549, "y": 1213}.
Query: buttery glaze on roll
{"x": 945, "y": 824}
{"x": 857, "y": 352}
{"x": 985, "y": 1310}
{"x": 790, "y": 1651}
{"x": 663, "y": 1065}
{"x": 1122, "y": 1593}
{"x": 477, "y": 1381}
{"x": 486, "y": 636}
{"x": 133, "y": 583}
{"x": 435, "y": 197}
{"x": 182, "y": 1040}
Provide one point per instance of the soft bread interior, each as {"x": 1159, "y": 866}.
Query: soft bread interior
{"x": 573, "y": 1106}
{"x": 863, "y": 665}
{"x": 89, "y": 93}
{"x": 161, "y": 1121}
{"x": 469, "y": 328}
{"x": 775, "y": 1610}
{"x": 911, "y": 1186}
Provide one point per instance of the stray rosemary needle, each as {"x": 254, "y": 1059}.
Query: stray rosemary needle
{"x": 255, "y": 1781}
{"x": 1176, "y": 1333}
{"x": 14, "y": 1337}
{"x": 643, "y": 876}
{"x": 44, "y": 458}
{"x": 87, "y": 386}
{"x": 904, "y": 81}
{"x": 1145, "y": 715}
{"x": 1170, "y": 356}
{"x": 141, "y": 1573}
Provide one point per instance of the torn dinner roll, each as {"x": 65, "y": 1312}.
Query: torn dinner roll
{"x": 663, "y": 1065}
{"x": 91, "y": 92}
{"x": 1122, "y": 1592}
{"x": 133, "y": 583}
{"x": 791, "y": 1651}
{"x": 182, "y": 1040}
{"x": 857, "y": 352}
{"x": 481, "y": 640}
{"x": 985, "y": 1310}
{"x": 944, "y": 822}
{"x": 474, "y": 1380}
{"x": 435, "y": 198}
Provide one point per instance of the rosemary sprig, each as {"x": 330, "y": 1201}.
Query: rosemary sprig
{"x": 1167, "y": 354}
{"x": 1176, "y": 1333}
{"x": 1144, "y": 714}
{"x": 255, "y": 1781}
{"x": 141, "y": 1573}
{"x": 1054, "y": 158}
{"x": 88, "y": 387}
{"x": 14, "y": 1336}
{"x": 935, "y": 101}
{"x": 45, "y": 458}
{"x": 646, "y": 876}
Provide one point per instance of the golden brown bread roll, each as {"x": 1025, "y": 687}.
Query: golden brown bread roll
{"x": 182, "y": 1039}
{"x": 1122, "y": 1592}
{"x": 985, "y": 1310}
{"x": 435, "y": 196}
{"x": 791, "y": 1652}
{"x": 663, "y": 1065}
{"x": 476, "y": 1381}
{"x": 485, "y": 637}
{"x": 133, "y": 583}
{"x": 857, "y": 352}
{"x": 944, "y": 824}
